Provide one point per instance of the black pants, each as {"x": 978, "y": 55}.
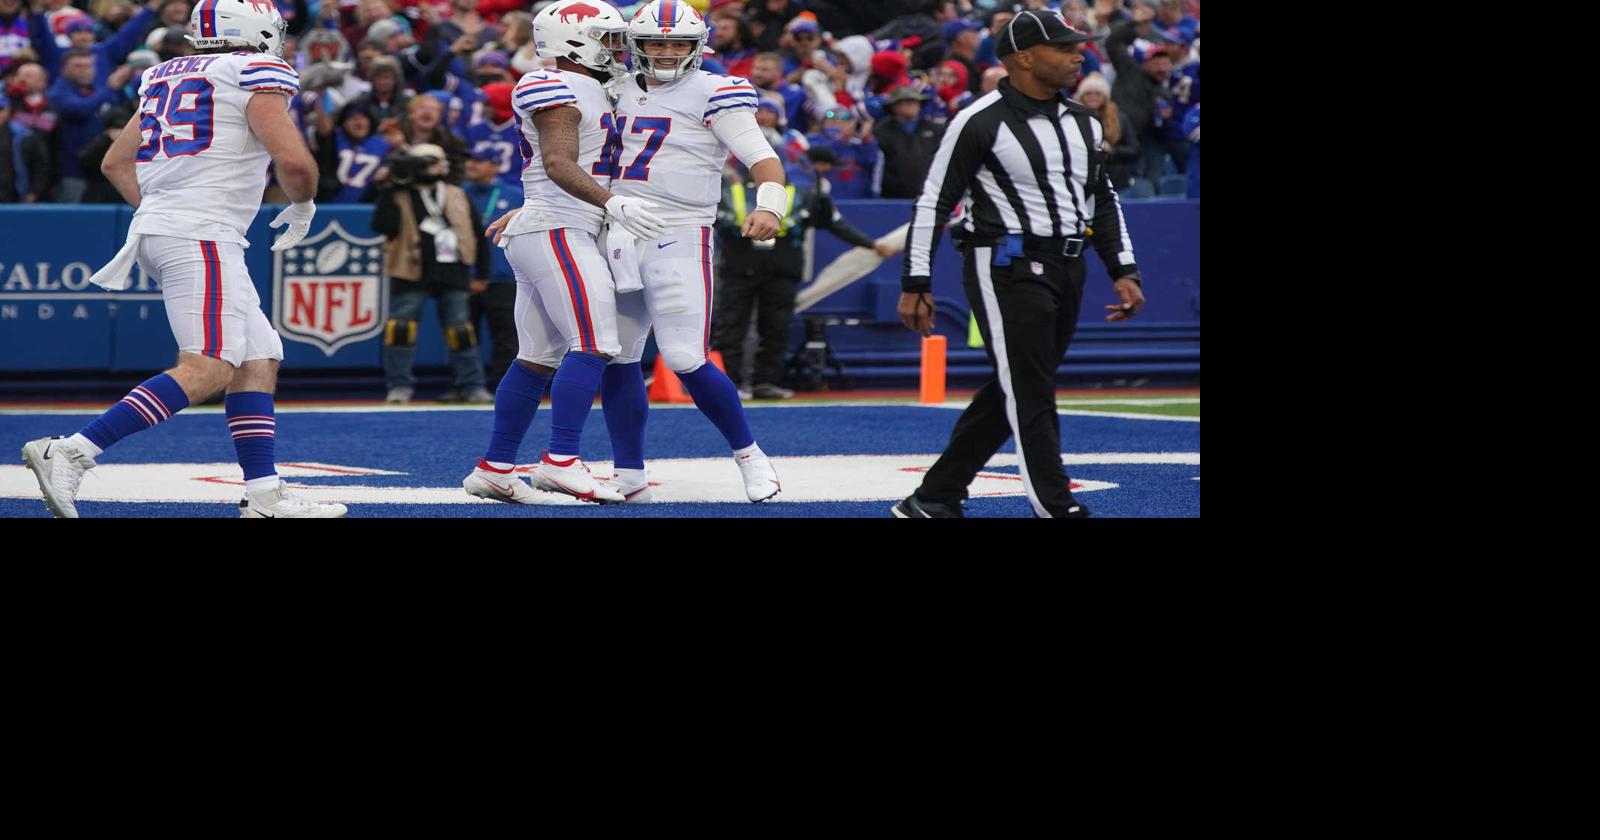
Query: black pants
{"x": 498, "y": 304}
{"x": 771, "y": 294}
{"x": 1027, "y": 320}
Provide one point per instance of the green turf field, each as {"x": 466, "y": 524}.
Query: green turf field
{"x": 1164, "y": 407}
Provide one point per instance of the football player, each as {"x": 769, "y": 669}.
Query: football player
{"x": 673, "y": 129}
{"x": 193, "y": 161}
{"x": 566, "y": 305}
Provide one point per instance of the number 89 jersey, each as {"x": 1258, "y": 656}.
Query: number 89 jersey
{"x": 668, "y": 152}
{"x": 201, "y": 169}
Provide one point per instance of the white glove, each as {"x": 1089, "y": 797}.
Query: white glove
{"x": 298, "y": 218}
{"x": 634, "y": 214}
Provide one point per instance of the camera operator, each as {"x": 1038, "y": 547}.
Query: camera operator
{"x": 432, "y": 248}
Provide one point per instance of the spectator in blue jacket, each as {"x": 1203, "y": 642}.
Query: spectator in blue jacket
{"x": 790, "y": 144}
{"x": 79, "y": 99}
{"x": 854, "y": 149}
{"x": 766, "y": 73}
{"x": 348, "y": 154}
{"x": 1171, "y": 16}
{"x": 995, "y": 22}
{"x": 1185, "y": 82}
{"x": 108, "y": 55}
{"x": 495, "y": 299}
{"x": 964, "y": 41}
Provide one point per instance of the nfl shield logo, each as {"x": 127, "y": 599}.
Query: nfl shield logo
{"x": 616, "y": 253}
{"x": 1036, "y": 268}
{"x": 329, "y": 289}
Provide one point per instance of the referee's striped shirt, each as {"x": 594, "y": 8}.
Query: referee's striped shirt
{"x": 1026, "y": 170}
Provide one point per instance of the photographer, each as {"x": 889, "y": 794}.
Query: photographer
{"x": 424, "y": 123}
{"x": 432, "y": 248}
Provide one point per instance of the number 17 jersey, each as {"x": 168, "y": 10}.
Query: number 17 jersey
{"x": 668, "y": 153}
{"x": 201, "y": 169}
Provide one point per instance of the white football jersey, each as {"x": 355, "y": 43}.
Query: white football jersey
{"x": 545, "y": 205}
{"x": 201, "y": 169}
{"x": 669, "y": 154}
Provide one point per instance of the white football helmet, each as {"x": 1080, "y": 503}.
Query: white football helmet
{"x": 584, "y": 31}
{"x": 250, "y": 24}
{"x": 670, "y": 20}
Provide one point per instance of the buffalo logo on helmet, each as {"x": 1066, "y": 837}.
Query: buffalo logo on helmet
{"x": 262, "y": 7}
{"x": 579, "y": 11}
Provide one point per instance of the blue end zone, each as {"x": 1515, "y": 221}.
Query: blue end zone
{"x": 438, "y": 448}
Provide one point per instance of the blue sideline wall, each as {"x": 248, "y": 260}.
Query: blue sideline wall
{"x": 53, "y": 319}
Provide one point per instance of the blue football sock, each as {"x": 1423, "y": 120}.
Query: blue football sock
{"x": 572, "y": 394}
{"x": 627, "y": 406}
{"x": 515, "y": 401}
{"x": 717, "y": 398}
{"x": 254, "y": 426}
{"x": 154, "y": 400}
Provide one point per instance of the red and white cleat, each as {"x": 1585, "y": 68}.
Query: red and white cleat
{"x": 573, "y": 478}
{"x": 506, "y": 487}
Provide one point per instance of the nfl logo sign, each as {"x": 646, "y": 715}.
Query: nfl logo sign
{"x": 329, "y": 289}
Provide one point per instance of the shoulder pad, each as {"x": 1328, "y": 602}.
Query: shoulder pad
{"x": 262, "y": 73}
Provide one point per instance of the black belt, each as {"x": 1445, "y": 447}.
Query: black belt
{"x": 1066, "y": 246}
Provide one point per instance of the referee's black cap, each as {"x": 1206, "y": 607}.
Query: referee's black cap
{"x": 1032, "y": 28}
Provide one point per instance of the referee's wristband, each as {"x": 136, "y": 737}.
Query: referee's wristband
{"x": 1134, "y": 277}
{"x": 912, "y": 284}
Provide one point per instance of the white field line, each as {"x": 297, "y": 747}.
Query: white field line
{"x": 1126, "y": 415}
{"x": 813, "y": 478}
{"x": 1151, "y": 401}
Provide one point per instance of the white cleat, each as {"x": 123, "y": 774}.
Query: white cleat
{"x": 500, "y": 487}
{"x": 279, "y": 503}
{"x": 573, "y": 478}
{"x": 633, "y": 494}
{"x": 59, "y": 466}
{"x": 760, "y": 479}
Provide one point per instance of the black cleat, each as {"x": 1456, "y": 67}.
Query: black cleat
{"x": 915, "y": 508}
{"x": 1075, "y": 511}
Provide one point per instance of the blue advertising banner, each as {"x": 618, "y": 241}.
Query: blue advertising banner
{"x": 51, "y": 316}
{"x": 329, "y": 300}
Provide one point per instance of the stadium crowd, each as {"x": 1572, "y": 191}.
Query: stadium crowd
{"x": 874, "y": 83}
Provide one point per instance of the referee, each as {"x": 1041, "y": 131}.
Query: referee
{"x": 1030, "y": 160}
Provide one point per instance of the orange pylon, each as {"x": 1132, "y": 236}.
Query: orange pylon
{"x": 933, "y": 357}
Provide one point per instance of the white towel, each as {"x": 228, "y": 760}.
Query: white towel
{"x": 852, "y": 265}
{"x": 622, "y": 254}
{"x": 114, "y": 275}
